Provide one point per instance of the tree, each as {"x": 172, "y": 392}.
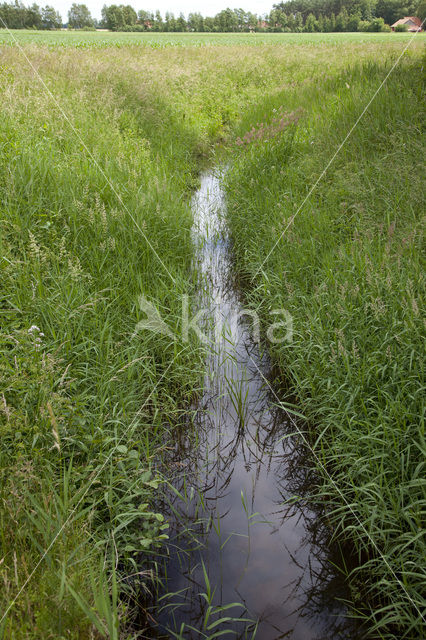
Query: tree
{"x": 158, "y": 22}
{"x": 298, "y": 18}
{"x": 112, "y": 17}
{"x": 393, "y": 10}
{"x": 252, "y": 21}
{"x": 169, "y": 22}
{"x": 283, "y": 20}
{"x": 421, "y": 11}
{"x": 196, "y": 22}
{"x": 33, "y": 17}
{"x": 226, "y": 20}
{"x": 310, "y": 24}
{"x": 377, "y": 24}
{"x": 209, "y": 24}
{"x": 342, "y": 20}
{"x": 119, "y": 17}
{"x": 129, "y": 15}
{"x": 291, "y": 22}
{"x": 13, "y": 16}
{"x": 181, "y": 23}
{"x": 353, "y": 22}
{"x": 79, "y": 17}
{"x": 144, "y": 18}
{"x": 50, "y": 18}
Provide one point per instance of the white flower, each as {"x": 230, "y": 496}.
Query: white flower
{"x": 33, "y": 328}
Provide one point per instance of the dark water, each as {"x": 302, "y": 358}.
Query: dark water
{"x": 243, "y": 516}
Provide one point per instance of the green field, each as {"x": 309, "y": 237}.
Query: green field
{"x": 101, "y": 146}
{"x": 158, "y": 40}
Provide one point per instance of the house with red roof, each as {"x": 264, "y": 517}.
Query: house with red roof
{"x": 413, "y": 24}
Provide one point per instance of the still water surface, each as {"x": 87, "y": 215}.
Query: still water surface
{"x": 243, "y": 516}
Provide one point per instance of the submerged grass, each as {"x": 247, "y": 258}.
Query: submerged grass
{"x": 348, "y": 266}
{"x": 94, "y": 215}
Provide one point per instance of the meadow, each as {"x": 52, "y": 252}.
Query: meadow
{"x": 101, "y": 145}
{"x": 103, "y": 39}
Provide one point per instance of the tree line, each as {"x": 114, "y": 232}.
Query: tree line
{"x": 291, "y": 16}
{"x": 344, "y": 15}
{"x": 18, "y": 16}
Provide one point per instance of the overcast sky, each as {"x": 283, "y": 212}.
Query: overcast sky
{"x": 206, "y": 8}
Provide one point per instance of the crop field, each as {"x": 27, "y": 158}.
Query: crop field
{"x": 158, "y": 40}
{"x": 102, "y": 140}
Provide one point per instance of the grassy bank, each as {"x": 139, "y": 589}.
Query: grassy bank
{"x": 89, "y": 223}
{"x": 94, "y": 212}
{"x": 347, "y": 265}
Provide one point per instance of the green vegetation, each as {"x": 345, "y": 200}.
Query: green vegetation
{"x": 95, "y": 212}
{"x": 102, "y": 39}
{"x": 86, "y": 403}
{"x": 345, "y": 261}
{"x": 342, "y": 15}
{"x": 79, "y": 17}
{"x": 297, "y": 16}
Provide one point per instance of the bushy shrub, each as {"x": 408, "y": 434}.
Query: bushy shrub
{"x": 133, "y": 28}
{"x": 376, "y": 25}
{"x": 363, "y": 25}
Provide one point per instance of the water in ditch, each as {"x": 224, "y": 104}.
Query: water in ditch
{"x": 243, "y": 531}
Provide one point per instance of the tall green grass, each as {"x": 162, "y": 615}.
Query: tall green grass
{"x": 348, "y": 266}
{"x": 91, "y": 217}
{"x": 89, "y": 222}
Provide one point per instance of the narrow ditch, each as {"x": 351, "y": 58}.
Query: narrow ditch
{"x": 249, "y": 554}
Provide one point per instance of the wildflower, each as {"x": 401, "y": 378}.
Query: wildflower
{"x": 33, "y": 328}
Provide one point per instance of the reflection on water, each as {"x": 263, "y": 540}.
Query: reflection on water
{"x": 242, "y": 515}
